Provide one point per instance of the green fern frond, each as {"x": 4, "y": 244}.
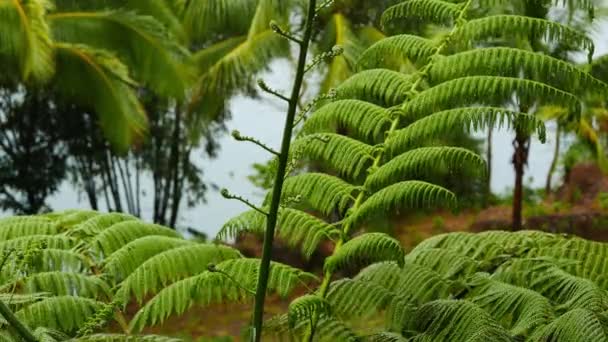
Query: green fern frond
{"x": 504, "y": 61}
{"x": 172, "y": 265}
{"x": 120, "y": 234}
{"x": 521, "y": 26}
{"x": 127, "y": 259}
{"x": 364, "y": 250}
{"x": 385, "y": 337}
{"x": 351, "y": 299}
{"x": 125, "y": 338}
{"x": 296, "y": 227}
{"x": 49, "y": 241}
{"x": 363, "y": 121}
{"x": 97, "y": 224}
{"x": 520, "y": 310}
{"x": 43, "y": 260}
{"x": 435, "y": 11}
{"x": 489, "y": 90}
{"x": 67, "y": 284}
{"x": 305, "y": 308}
{"x": 403, "y": 47}
{"x": 69, "y": 218}
{"x": 23, "y": 226}
{"x": 43, "y": 334}
{"x": 323, "y": 192}
{"x": 146, "y": 46}
{"x": 449, "y": 264}
{"x": 64, "y": 313}
{"x": 329, "y": 329}
{"x": 578, "y": 325}
{"x": 455, "y": 320}
{"x": 347, "y": 156}
{"x": 16, "y": 300}
{"x": 402, "y": 196}
{"x": 231, "y": 280}
{"x": 382, "y": 87}
{"x": 470, "y": 119}
{"x": 421, "y": 162}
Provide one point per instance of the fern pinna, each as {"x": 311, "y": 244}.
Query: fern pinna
{"x": 69, "y": 275}
{"x": 380, "y": 140}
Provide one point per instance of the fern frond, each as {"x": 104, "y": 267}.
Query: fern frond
{"x": 435, "y": 11}
{"x": 323, "y": 192}
{"x": 23, "y": 226}
{"x": 521, "y": 26}
{"x": 120, "y": 234}
{"x": 125, "y": 338}
{"x": 124, "y": 261}
{"x": 306, "y": 308}
{"x": 294, "y": 226}
{"x": 504, "y": 61}
{"x": 43, "y": 334}
{"x": 455, "y": 320}
{"x": 64, "y": 313}
{"x": 347, "y": 156}
{"x": 578, "y": 325}
{"x": 67, "y": 284}
{"x": 96, "y": 224}
{"x": 447, "y": 263}
{"x": 385, "y": 337}
{"x": 363, "y": 121}
{"x": 520, "y": 310}
{"x": 382, "y": 87}
{"x": 470, "y": 119}
{"x": 172, "y": 265}
{"x": 402, "y": 196}
{"x": 49, "y": 241}
{"x": 214, "y": 287}
{"x": 403, "y": 47}
{"x": 18, "y": 300}
{"x": 69, "y": 218}
{"x": 421, "y": 162}
{"x": 351, "y": 299}
{"x": 489, "y": 90}
{"x": 364, "y": 250}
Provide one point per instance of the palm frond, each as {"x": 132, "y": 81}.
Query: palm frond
{"x": 347, "y": 156}
{"x": 424, "y": 161}
{"x": 323, "y": 192}
{"x": 402, "y": 196}
{"x": 469, "y": 119}
{"x": 129, "y": 257}
{"x": 362, "y": 120}
{"x": 170, "y": 266}
{"x": 364, "y": 250}
{"x": 64, "y": 313}
{"x": 202, "y": 18}
{"x": 382, "y": 87}
{"x": 398, "y": 49}
{"x": 25, "y": 39}
{"x": 151, "y": 53}
{"x": 109, "y": 91}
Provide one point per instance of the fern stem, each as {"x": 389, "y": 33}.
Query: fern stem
{"x": 21, "y": 329}
{"x": 262, "y": 285}
{"x": 378, "y": 159}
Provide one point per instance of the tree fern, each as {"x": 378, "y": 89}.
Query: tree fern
{"x": 378, "y": 86}
{"x": 67, "y": 284}
{"x": 65, "y": 313}
{"x": 403, "y": 48}
{"x": 10, "y": 229}
{"x": 306, "y": 308}
{"x": 364, "y": 250}
{"x": 576, "y": 325}
{"x": 437, "y": 11}
{"x": 120, "y": 234}
{"x": 124, "y": 338}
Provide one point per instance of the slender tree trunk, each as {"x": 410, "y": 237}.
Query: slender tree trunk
{"x": 110, "y": 175}
{"x": 548, "y": 184}
{"x": 171, "y": 185}
{"x": 521, "y": 145}
{"x": 125, "y": 186}
{"x": 137, "y": 185}
{"x": 488, "y": 194}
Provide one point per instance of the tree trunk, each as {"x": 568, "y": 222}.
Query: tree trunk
{"x": 173, "y": 177}
{"x": 488, "y": 194}
{"x": 520, "y": 160}
{"x": 555, "y": 160}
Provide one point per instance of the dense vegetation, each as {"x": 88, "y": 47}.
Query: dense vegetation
{"x": 378, "y": 141}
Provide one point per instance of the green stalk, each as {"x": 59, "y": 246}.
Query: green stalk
{"x": 394, "y": 126}
{"x": 258, "y": 314}
{"x": 21, "y": 329}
